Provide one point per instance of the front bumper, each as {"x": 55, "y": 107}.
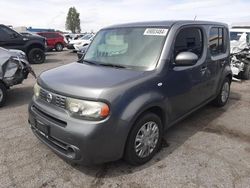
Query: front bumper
{"x": 70, "y": 46}
{"x": 79, "y": 141}
{"x": 80, "y": 55}
{"x": 77, "y": 47}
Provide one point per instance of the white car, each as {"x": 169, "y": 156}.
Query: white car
{"x": 240, "y": 50}
{"x": 75, "y": 45}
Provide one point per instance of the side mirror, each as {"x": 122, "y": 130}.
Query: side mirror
{"x": 186, "y": 58}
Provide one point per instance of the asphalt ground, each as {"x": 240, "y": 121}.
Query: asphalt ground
{"x": 211, "y": 148}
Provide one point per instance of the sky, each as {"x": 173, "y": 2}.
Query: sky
{"x": 95, "y": 14}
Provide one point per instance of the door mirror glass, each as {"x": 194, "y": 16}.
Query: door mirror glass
{"x": 186, "y": 58}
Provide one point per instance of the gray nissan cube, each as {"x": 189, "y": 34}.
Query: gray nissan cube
{"x": 134, "y": 81}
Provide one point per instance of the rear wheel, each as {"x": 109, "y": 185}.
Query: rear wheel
{"x": 223, "y": 95}
{"x": 59, "y": 47}
{"x": 144, "y": 139}
{"x": 246, "y": 73}
{"x": 36, "y": 56}
{"x": 3, "y": 93}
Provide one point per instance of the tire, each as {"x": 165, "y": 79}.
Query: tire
{"x": 36, "y": 56}
{"x": 140, "y": 157}
{"x": 224, "y": 93}
{"x": 245, "y": 75}
{"x": 59, "y": 47}
{"x": 3, "y": 93}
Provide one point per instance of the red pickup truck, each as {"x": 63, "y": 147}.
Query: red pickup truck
{"x": 54, "y": 40}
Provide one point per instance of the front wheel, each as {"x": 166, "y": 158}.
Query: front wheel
{"x": 36, "y": 56}
{"x": 223, "y": 95}
{"x": 3, "y": 93}
{"x": 144, "y": 139}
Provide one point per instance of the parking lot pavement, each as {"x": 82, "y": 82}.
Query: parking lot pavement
{"x": 211, "y": 148}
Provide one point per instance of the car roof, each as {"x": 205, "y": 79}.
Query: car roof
{"x": 49, "y": 32}
{"x": 164, "y": 23}
{"x": 240, "y": 30}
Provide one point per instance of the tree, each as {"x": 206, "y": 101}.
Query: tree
{"x": 73, "y": 21}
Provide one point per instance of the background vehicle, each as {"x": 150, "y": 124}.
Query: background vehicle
{"x": 27, "y": 34}
{"x": 75, "y": 45}
{"x": 235, "y": 34}
{"x": 54, "y": 40}
{"x": 82, "y": 50}
{"x": 33, "y": 46}
{"x": 240, "y": 56}
{"x": 135, "y": 81}
{"x": 14, "y": 68}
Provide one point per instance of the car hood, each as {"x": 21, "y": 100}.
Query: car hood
{"x": 13, "y": 66}
{"x": 4, "y": 55}
{"x": 78, "y": 41}
{"x": 85, "y": 81}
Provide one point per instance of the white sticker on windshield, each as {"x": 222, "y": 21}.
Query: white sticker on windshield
{"x": 156, "y": 31}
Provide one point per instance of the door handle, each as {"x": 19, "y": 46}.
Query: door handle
{"x": 223, "y": 63}
{"x": 203, "y": 69}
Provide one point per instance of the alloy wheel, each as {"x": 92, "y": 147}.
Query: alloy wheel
{"x": 225, "y": 92}
{"x": 1, "y": 95}
{"x": 146, "y": 139}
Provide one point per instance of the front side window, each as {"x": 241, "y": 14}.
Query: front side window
{"x": 135, "y": 48}
{"x": 189, "y": 40}
{"x": 217, "y": 42}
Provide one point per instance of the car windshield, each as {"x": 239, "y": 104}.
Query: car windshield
{"x": 86, "y": 37}
{"x": 134, "y": 48}
{"x": 235, "y": 35}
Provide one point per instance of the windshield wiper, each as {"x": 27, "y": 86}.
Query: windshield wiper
{"x": 90, "y": 62}
{"x": 112, "y": 65}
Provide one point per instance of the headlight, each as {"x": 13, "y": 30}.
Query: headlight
{"x": 36, "y": 90}
{"x": 87, "y": 109}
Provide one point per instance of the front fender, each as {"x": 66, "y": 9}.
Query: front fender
{"x": 141, "y": 104}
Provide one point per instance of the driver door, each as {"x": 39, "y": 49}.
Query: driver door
{"x": 186, "y": 82}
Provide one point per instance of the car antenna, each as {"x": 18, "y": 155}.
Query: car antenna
{"x": 195, "y": 17}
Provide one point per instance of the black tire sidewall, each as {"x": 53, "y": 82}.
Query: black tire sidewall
{"x": 31, "y": 54}
{"x": 4, "y": 90}
{"x": 218, "y": 101}
{"x": 246, "y": 73}
{"x": 130, "y": 153}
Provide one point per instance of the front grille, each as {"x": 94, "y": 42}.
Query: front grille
{"x": 53, "y": 98}
{"x": 48, "y": 117}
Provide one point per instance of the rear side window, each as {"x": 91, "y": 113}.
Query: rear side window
{"x": 51, "y": 35}
{"x": 6, "y": 33}
{"x": 217, "y": 41}
{"x": 3, "y": 35}
{"x": 189, "y": 40}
